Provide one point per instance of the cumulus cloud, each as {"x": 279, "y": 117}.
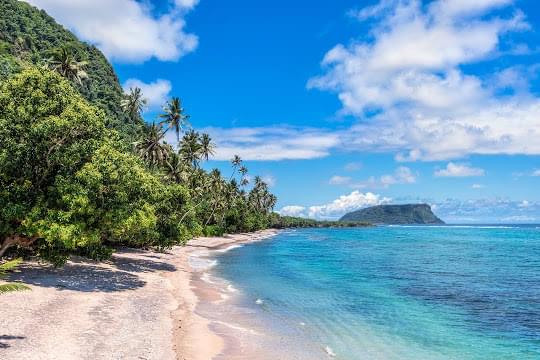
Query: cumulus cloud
{"x": 459, "y": 170}
{"x": 293, "y": 210}
{"x": 126, "y": 30}
{"x": 156, "y": 93}
{"x": 272, "y": 143}
{"x": 338, "y": 207}
{"x": 410, "y": 71}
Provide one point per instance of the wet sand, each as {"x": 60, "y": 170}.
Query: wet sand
{"x": 138, "y": 305}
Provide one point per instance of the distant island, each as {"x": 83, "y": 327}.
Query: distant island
{"x": 394, "y": 214}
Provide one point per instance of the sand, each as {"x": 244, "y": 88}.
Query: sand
{"x": 138, "y": 305}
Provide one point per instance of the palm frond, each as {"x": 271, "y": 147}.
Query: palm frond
{"x": 10, "y": 287}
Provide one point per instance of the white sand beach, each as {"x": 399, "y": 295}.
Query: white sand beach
{"x": 138, "y": 305}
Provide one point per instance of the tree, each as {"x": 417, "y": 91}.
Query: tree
{"x": 174, "y": 116}
{"x": 133, "y": 104}
{"x": 207, "y": 147}
{"x": 47, "y": 132}
{"x": 66, "y": 183}
{"x": 63, "y": 61}
{"x": 151, "y": 147}
{"x": 190, "y": 148}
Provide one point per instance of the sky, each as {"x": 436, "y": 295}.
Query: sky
{"x": 344, "y": 104}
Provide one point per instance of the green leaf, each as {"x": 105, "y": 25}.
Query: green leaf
{"x": 12, "y": 287}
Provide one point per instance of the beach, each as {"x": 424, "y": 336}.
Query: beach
{"x": 138, "y": 305}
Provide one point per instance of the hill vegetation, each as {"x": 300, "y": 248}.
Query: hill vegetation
{"x": 395, "y": 214}
{"x": 81, "y": 173}
{"x": 30, "y": 36}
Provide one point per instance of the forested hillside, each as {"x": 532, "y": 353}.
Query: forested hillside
{"x": 30, "y": 36}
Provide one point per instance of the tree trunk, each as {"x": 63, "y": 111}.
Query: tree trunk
{"x": 16, "y": 240}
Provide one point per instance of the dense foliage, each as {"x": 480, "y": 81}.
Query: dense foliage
{"x": 31, "y": 37}
{"x": 68, "y": 184}
{"x": 286, "y": 222}
{"x": 395, "y": 214}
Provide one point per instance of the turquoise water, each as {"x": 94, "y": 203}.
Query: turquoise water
{"x": 395, "y": 292}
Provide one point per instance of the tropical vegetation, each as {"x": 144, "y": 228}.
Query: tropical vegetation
{"x": 82, "y": 173}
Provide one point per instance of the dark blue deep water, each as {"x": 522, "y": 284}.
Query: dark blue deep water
{"x": 397, "y": 292}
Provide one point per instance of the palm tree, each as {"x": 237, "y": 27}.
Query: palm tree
{"x": 190, "y": 148}
{"x": 244, "y": 180}
{"x": 207, "y": 147}
{"x": 176, "y": 169}
{"x": 151, "y": 147}
{"x": 64, "y": 62}
{"x": 174, "y": 116}
{"x": 236, "y": 161}
{"x": 4, "y": 268}
{"x": 216, "y": 188}
{"x": 133, "y": 103}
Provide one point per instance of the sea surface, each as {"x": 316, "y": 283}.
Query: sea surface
{"x": 397, "y": 292}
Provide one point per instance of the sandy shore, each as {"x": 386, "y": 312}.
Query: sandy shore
{"x": 139, "y": 305}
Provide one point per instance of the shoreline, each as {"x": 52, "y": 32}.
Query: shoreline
{"x": 140, "y": 304}
{"x": 199, "y": 332}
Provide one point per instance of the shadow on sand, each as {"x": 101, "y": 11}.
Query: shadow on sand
{"x": 118, "y": 274}
{"x": 5, "y": 340}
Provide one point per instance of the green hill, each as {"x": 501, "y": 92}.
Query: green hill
{"x": 395, "y": 214}
{"x": 28, "y": 36}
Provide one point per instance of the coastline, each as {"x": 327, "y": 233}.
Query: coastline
{"x": 140, "y": 304}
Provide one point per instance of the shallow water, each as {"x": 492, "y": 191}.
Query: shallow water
{"x": 390, "y": 292}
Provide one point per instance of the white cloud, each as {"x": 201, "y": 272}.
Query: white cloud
{"x": 156, "y": 93}
{"x": 494, "y": 210}
{"x": 340, "y": 180}
{"x": 402, "y": 175}
{"x": 270, "y": 180}
{"x": 353, "y": 166}
{"x": 459, "y": 170}
{"x": 536, "y": 172}
{"x": 410, "y": 71}
{"x": 126, "y": 30}
{"x": 272, "y": 143}
{"x": 293, "y": 210}
{"x": 477, "y": 186}
{"x": 337, "y": 208}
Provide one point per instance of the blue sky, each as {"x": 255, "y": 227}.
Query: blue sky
{"x": 345, "y": 104}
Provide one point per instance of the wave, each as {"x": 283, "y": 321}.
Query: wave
{"x": 201, "y": 264}
{"x": 329, "y": 351}
{"x": 228, "y": 248}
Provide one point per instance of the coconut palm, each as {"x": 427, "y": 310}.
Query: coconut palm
{"x": 133, "y": 103}
{"x": 174, "y": 116}
{"x": 190, "y": 148}
{"x": 176, "y": 169}
{"x": 236, "y": 161}
{"x": 8, "y": 287}
{"x": 216, "y": 186}
{"x": 207, "y": 147}
{"x": 64, "y": 62}
{"x": 151, "y": 147}
{"x": 244, "y": 181}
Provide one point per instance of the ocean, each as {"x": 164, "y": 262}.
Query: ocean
{"x": 396, "y": 292}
